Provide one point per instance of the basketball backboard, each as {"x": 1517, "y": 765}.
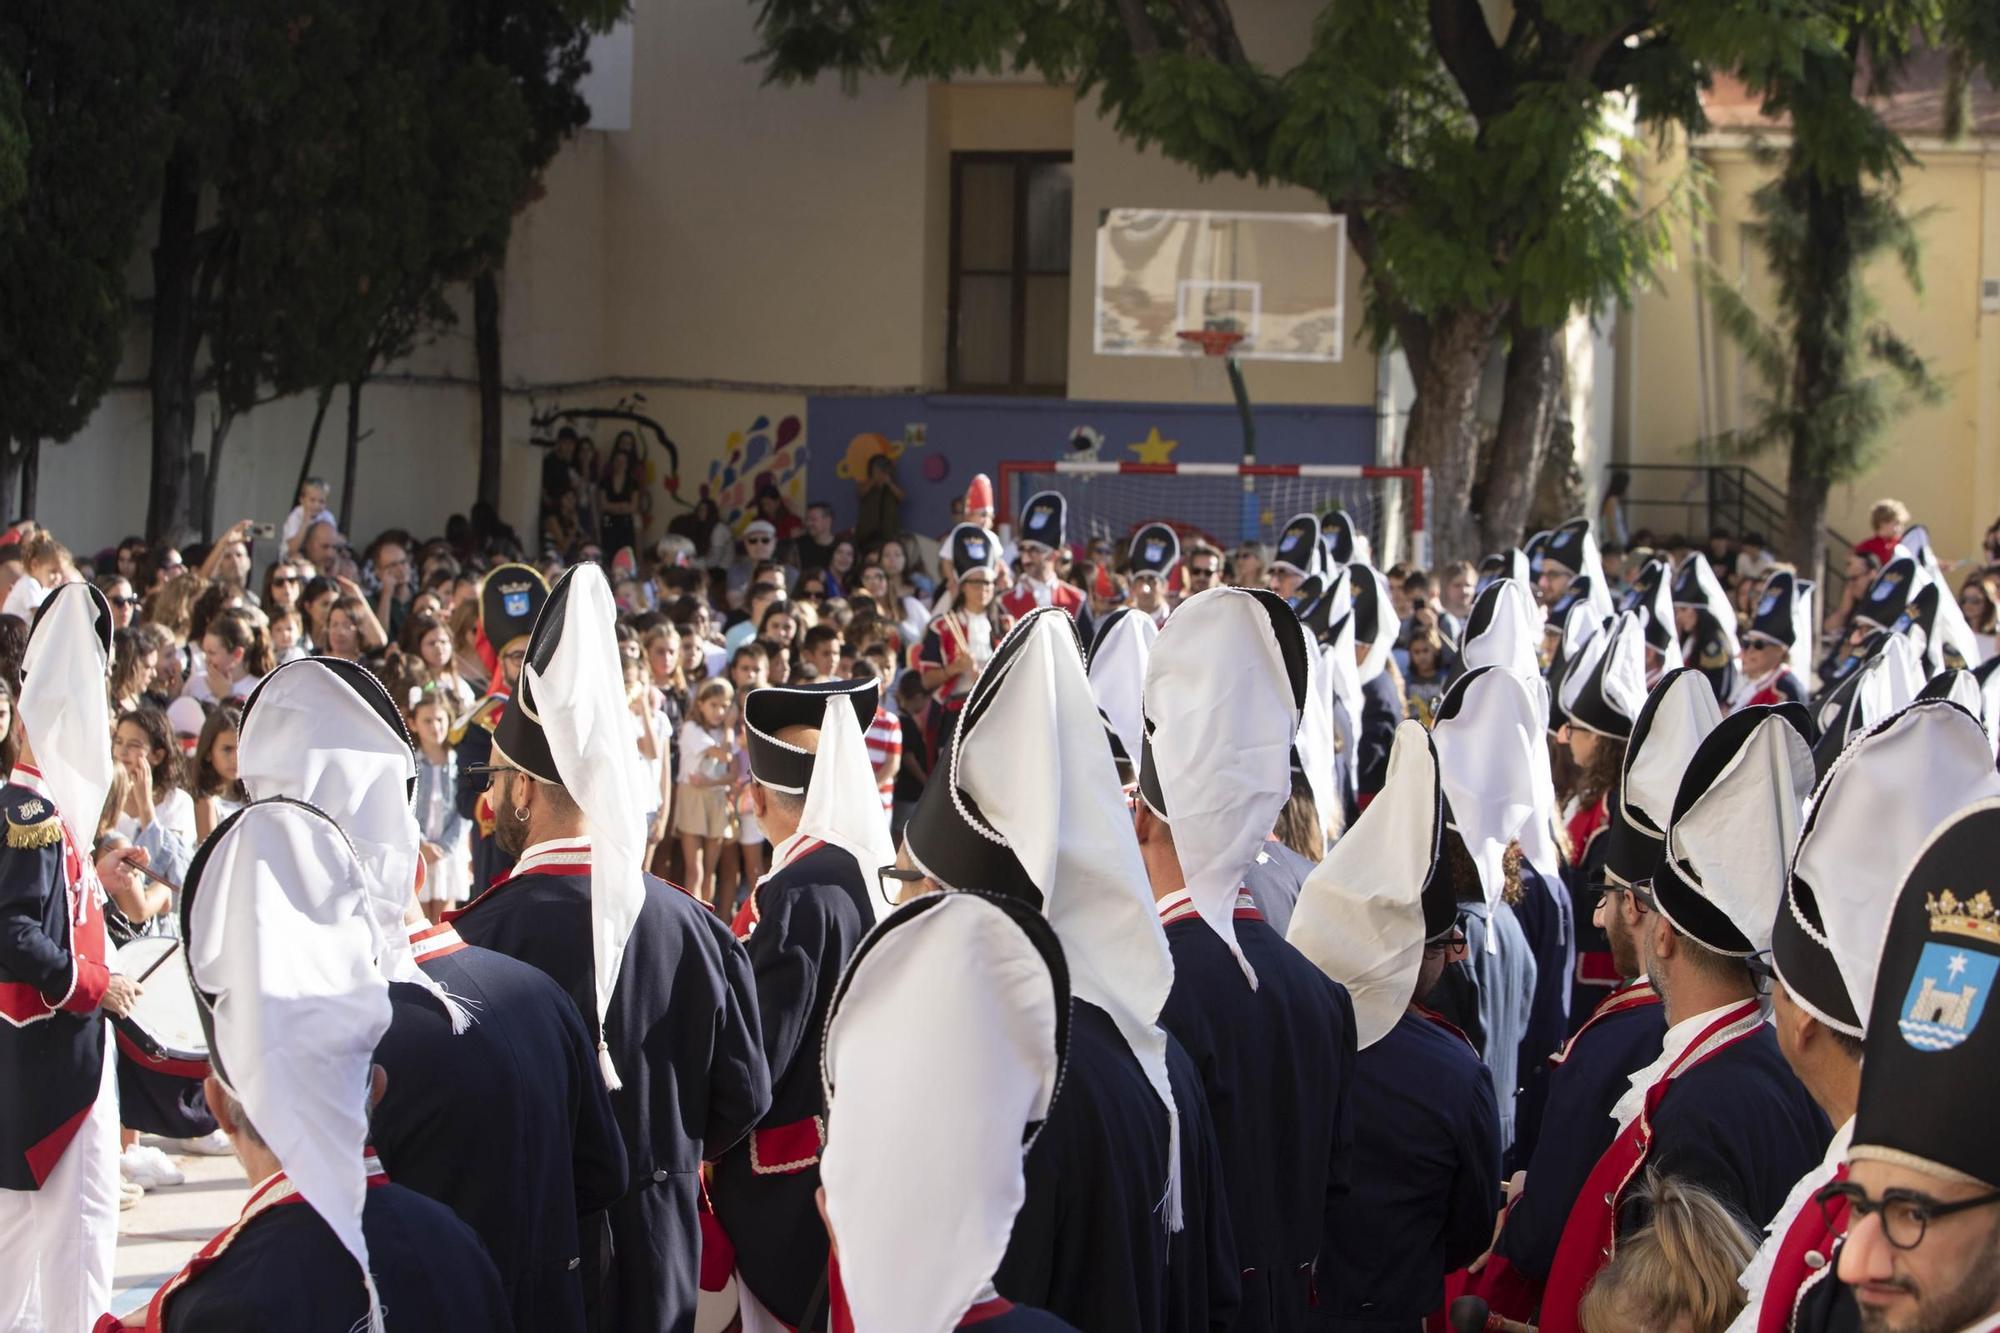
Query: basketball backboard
{"x": 1277, "y": 278}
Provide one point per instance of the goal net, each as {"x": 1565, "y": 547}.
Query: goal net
{"x": 1227, "y": 504}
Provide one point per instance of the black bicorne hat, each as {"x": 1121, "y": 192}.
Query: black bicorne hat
{"x": 1453, "y": 878}
{"x": 1156, "y": 549}
{"x": 510, "y": 599}
{"x": 1317, "y": 614}
{"x": 968, "y": 547}
{"x": 1688, "y": 589}
{"x": 1336, "y": 533}
{"x": 1775, "y": 617}
{"x": 1537, "y": 550}
{"x": 1575, "y": 593}
{"x": 1043, "y": 519}
{"x": 1708, "y": 650}
{"x": 365, "y": 683}
{"x": 1565, "y": 546}
{"x": 1608, "y": 695}
{"x": 519, "y": 737}
{"x": 1634, "y": 838}
{"x": 770, "y": 710}
{"x": 1307, "y": 595}
{"x": 1293, "y": 649}
{"x": 1656, "y": 601}
{"x": 1299, "y": 548}
{"x": 1888, "y": 593}
{"x": 1574, "y": 631}
{"x": 1640, "y": 595}
{"x": 1930, "y": 1058}
{"x": 1695, "y": 909}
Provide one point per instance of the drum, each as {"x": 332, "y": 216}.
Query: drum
{"x": 164, "y": 1025}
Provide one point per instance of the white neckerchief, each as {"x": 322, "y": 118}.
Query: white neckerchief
{"x": 1750, "y": 689}
{"x": 1679, "y": 1037}
{"x": 1042, "y": 590}
{"x": 1757, "y": 1274}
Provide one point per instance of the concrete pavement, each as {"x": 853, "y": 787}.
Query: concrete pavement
{"x": 162, "y": 1231}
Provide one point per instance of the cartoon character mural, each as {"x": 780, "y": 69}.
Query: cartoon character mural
{"x": 762, "y": 456}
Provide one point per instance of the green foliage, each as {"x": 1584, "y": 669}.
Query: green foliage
{"x": 81, "y": 137}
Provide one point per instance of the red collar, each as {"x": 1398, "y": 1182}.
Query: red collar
{"x": 1178, "y": 907}
{"x": 986, "y": 1310}
{"x": 1631, "y": 995}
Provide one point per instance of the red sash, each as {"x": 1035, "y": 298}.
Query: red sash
{"x": 1805, "y": 1252}
{"x": 1591, "y": 1233}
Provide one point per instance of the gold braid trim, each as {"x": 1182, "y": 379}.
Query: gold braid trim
{"x": 41, "y": 833}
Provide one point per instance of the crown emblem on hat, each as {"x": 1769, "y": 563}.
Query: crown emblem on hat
{"x": 1974, "y": 916}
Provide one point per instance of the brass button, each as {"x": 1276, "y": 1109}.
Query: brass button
{"x": 1815, "y": 1260}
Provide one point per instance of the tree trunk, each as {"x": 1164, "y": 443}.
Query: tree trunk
{"x": 10, "y": 459}
{"x": 31, "y": 476}
{"x": 211, "y": 480}
{"x": 175, "y": 337}
{"x": 1528, "y": 412}
{"x": 1822, "y": 360}
{"x": 1443, "y": 433}
{"x": 486, "y": 342}
{"x": 1805, "y": 512}
{"x": 312, "y": 440}
{"x": 353, "y": 454}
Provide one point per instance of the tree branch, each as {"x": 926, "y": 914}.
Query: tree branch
{"x": 1139, "y": 28}
{"x": 1466, "y": 46}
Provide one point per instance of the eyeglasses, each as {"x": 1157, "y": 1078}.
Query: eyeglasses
{"x": 757, "y": 541}
{"x": 1203, "y": 572}
{"x": 292, "y": 579}
{"x": 1906, "y": 1214}
{"x": 123, "y": 601}
{"x": 895, "y": 880}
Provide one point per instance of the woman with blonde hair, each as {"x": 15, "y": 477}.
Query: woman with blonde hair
{"x": 1677, "y": 1272}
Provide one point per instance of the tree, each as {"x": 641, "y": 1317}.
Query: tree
{"x": 81, "y": 132}
{"x": 1835, "y": 375}
{"x": 1487, "y": 181}
{"x": 542, "y": 46}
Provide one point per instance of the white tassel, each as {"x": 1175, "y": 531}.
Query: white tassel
{"x": 456, "y": 1009}
{"x": 372, "y": 1322}
{"x": 1175, "y": 1220}
{"x": 605, "y": 1067}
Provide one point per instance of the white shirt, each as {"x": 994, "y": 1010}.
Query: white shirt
{"x": 1757, "y": 1274}
{"x": 1679, "y": 1037}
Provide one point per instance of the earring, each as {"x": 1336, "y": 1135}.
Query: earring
{"x": 521, "y": 813}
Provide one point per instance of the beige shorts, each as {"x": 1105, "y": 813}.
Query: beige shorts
{"x": 701, "y": 812}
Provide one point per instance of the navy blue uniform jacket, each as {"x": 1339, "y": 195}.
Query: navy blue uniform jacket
{"x": 1426, "y": 1180}
{"x": 1576, "y": 1129}
{"x": 683, "y": 1034}
{"x": 1277, "y": 1065}
{"x": 1545, "y": 916}
{"x": 1090, "y": 1243}
{"x": 1381, "y": 710}
{"x": 508, "y": 1123}
{"x": 287, "y": 1270}
{"x": 807, "y": 919}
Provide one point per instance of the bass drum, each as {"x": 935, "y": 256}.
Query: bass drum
{"x": 165, "y": 1024}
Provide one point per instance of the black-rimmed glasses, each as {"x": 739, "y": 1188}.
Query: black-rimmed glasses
{"x": 1906, "y": 1214}
{"x": 896, "y": 880}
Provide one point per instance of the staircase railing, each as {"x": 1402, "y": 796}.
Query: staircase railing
{"x": 1693, "y": 499}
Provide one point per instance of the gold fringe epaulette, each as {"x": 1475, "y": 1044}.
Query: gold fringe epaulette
{"x": 485, "y": 715}
{"x": 43, "y": 832}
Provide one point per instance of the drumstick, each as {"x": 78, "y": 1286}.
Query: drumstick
{"x": 154, "y": 875}
{"x": 164, "y": 956}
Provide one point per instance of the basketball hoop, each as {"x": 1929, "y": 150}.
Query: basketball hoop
{"x": 1211, "y": 342}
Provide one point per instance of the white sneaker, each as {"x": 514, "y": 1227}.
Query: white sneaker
{"x": 215, "y": 1143}
{"x": 148, "y": 1168}
{"x": 128, "y": 1194}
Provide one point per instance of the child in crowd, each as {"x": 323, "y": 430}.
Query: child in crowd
{"x": 447, "y": 867}
{"x": 218, "y": 792}
{"x": 1677, "y": 1272}
{"x": 313, "y": 497}
{"x": 885, "y": 731}
{"x": 287, "y": 635}
{"x": 701, "y": 800}
{"x": 1424, "y": 683}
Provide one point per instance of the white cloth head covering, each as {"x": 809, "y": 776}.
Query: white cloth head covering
{"x": 1623, "y": 685}
{"x": 1386, "y": 625}
{"x": 843, "y": 804}
{"x": 1316, "y": 746}
{"x": 1735, "y": 839}
{"x": 1338, "y": 682}
{"x": 1684, "y": 715}
{"x": 1949, "y": 629}
{"x": 65, "y": 710}
{"x": 1360, "y": 914}
{"x": 1805, "y": 628}
{"x": 580, "y": 695}
{"x": 1513, "y": 635}
{"x": 1874, "y": 812}
{"x": 281, "y": 941}
{"x": 1036, "y": 765}
{"x": 1118, "y": 674}
{"x": 1659, "y": 609}
{"x": 1494, "y": 763}
{"x": 310, "y": 735}
{"x": 950, "y": 995}
{"x": 1221, "y": 715}
{"x": 1889, "y": 681}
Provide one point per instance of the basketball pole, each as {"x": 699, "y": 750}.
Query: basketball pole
{"x": 1250, "y": 522}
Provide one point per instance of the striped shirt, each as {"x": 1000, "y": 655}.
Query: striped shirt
{"x": 885, "y": 745}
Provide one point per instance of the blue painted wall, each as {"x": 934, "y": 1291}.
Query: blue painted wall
{"x": 941, "y": 440}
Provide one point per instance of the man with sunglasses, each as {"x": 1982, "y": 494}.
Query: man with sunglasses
{"x": 1826, "y": 944}
{"x": 1201, "y": 569}
{"x": 1039, "y": 537}
{"x": 1917, "y": 1196}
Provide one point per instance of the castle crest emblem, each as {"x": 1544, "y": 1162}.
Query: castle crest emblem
{"x": 1947, "y": 995}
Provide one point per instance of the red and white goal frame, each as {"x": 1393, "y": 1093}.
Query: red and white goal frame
{"x": 1227, "y": 504}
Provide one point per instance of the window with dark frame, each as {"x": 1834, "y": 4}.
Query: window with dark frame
{"x": 1010, "y": 252}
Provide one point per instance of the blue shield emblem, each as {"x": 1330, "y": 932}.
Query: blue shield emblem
{"x": 1155, "y": 551}
{"x": 1768, "y": 605}
{"x": 1884, "y": 587}
{"x": 975, "y": 550}
{"x": 515, "y": 603}
{"x": 1946, "y": 996}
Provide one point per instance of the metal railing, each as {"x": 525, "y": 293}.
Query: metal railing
{"x": 1694, "y": 499}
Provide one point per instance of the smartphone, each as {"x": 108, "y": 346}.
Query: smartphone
{"x": 263, "y": 531}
